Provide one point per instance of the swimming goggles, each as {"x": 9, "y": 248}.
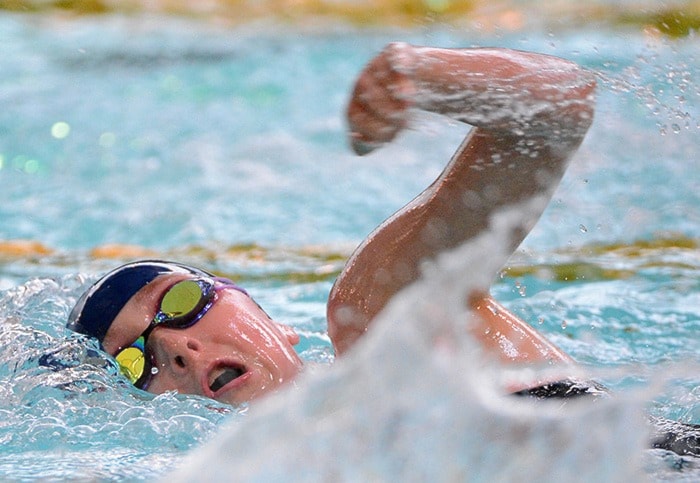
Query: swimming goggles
{"x": 181, "y": 306}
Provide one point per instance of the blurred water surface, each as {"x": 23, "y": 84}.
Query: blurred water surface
{"x": 226, "y": 148}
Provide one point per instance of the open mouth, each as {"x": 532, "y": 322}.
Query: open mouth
{"x": 223, "y": 375}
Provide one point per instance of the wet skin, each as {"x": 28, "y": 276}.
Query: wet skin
{"x": 529, "y": 109}
{"x": 235, "y": 337}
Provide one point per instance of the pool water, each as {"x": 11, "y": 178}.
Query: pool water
{"x": 226, "y": 148}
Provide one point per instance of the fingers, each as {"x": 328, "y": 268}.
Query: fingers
{"x": 379, "y": 105}
{"x": 374, "y": 116}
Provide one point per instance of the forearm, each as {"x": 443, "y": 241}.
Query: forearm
{"x": 500, "y": 89}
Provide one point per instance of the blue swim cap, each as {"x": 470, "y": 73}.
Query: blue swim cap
{"x": 97, "y": 308}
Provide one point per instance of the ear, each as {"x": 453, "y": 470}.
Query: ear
{"x": 289, "y": 333}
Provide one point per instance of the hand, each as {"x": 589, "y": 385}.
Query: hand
{"x": 383, "y": 94}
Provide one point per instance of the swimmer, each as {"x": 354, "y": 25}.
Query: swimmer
{"x": 177, "y": 328}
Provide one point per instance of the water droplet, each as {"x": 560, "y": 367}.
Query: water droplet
{"x": 563, "y": 325}
{"x": 583, "y": 228}
{"x": 60, "y": 130}
{"x": 676, "y": 128}
{"x": 540, "y": 320}
{"x": 31, "y": 166}
{"x": 154, "y": 371}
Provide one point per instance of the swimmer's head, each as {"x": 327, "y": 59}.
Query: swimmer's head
{"x": 97, "y": 308}
{"x": 172, "y": 327}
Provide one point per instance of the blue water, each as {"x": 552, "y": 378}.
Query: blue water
{"x": 226, "y": 148}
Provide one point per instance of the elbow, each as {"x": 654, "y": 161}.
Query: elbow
{"x": 584, "y": 107}
{"x": 573, "y": 111}
{"x": 587, "y": 92}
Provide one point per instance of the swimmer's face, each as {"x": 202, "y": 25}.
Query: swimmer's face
{"x": 235, "y": 337}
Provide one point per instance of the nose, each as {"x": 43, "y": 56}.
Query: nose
{"x": 176, "y": 350}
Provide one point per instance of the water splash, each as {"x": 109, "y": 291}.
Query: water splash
{"x": 667, "y": 90}
{"x": 416, "y": 401}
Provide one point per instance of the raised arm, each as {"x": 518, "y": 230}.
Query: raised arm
{"x": 530, "y": 111}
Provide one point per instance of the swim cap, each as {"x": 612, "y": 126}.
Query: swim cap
{"x": 97, "y": 308}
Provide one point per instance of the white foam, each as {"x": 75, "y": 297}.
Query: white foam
{"x": 416, "y": 401}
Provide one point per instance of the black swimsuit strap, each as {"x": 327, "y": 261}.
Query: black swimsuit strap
{"x": 680, "y": 438}
{"x": 565, "y": 389}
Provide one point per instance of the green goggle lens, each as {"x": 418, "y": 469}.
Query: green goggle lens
{"x": 181, "y": 299}
{"x": 132, "y": 361}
